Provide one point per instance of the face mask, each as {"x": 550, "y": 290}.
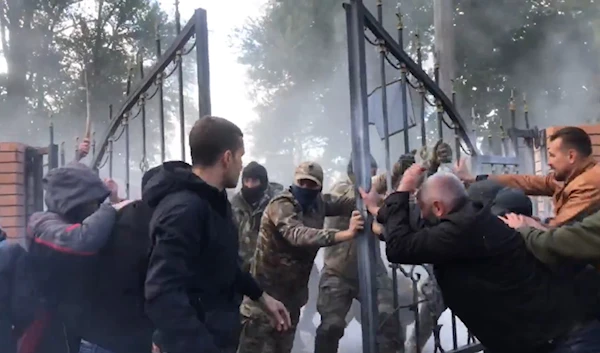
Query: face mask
{"x": 305, "y": 197}
{"x": 252, "y": 195}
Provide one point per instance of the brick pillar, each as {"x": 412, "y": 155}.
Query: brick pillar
{"x": 12, "y": 189}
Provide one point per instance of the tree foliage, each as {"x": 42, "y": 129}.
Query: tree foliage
{"x": 296, "y": 58}
{"x": 48, "y": 45}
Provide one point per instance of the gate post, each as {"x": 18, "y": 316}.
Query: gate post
{"x": 202, "y": 63}
{"x": 361, "y": 166}
{"x": 13, "y": 213}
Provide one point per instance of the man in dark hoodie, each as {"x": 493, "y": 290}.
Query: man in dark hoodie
{"x": 49, "y": 277}
{"x": 194, "y": 277}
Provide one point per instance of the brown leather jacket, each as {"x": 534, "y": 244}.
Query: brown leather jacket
{"x": 579, "y": 194}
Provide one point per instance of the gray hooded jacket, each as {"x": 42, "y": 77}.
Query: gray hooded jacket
{"x": 67, "y": 188}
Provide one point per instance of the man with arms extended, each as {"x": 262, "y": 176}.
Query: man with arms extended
{"x": 248, "y": 206}
{"x": 291, "y": 233}
{"x": 574, "y": 185}
{"x": 339, "y": 284}
{"x": 509, "y": 300}
{"x": 194, "y": 277}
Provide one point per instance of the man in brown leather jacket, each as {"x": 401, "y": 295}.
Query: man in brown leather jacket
{"x": 574, "y": 185}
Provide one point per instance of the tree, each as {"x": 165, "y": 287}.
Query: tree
{"x": 296, "y": 61}
{"x": 49, "y": 45}
{"x": 296, "y": 56}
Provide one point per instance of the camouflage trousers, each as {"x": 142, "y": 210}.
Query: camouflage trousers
{"x": 336, "y": 295}
{"x": 258, "y": 336}
{"x": 429, "y": 313}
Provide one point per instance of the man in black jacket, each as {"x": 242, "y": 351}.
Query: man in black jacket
{"x": 194, "y": 277}
{"x": 113, "y": 314}
{"x": 510, "y": 301}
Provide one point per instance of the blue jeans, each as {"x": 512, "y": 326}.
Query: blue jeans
{"x": 584, "y": 340}
{"x": 87, "y": 347}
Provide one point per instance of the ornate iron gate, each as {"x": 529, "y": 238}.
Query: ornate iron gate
{"x": 360, "y": 20}
{"x": 151, "y": 85}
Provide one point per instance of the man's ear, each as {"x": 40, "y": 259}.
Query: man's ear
{"x": 227, "y": 157}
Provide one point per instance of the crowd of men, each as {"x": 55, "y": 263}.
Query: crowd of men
{"x": 183, "y": 270}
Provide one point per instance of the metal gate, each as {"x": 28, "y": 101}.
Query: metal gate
{"x": 365, "y": 28}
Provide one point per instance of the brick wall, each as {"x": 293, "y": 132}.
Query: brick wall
{"x": 12, "y": 189}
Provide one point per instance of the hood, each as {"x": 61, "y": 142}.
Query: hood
{"x": 177, "y": 176}
{"x": 149, "y": 175}
{"x": 273, "y": 189}
{"x": 71, "y": 186}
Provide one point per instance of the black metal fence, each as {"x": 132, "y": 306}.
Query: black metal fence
{"x": 364, "y": 28}
{"x": 149, "y": 86}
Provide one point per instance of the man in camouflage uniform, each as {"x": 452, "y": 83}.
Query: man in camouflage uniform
{"x": 248, "y": 206}
{"x": 339, "y": 284}
{"x": 433, "y": 305}
{"x": 291, "y": 233}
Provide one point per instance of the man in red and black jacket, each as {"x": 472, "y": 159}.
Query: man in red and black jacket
{"x": 60, "y": 241}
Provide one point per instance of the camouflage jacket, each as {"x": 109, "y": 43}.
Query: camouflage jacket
{"x": 247, "y": 220}
{"x": 288, "y": 242}
{"x": 342, "y": 259}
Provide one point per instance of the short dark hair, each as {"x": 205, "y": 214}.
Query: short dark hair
{"x": 574, "y": 138}
{"x": 212, "y": 136}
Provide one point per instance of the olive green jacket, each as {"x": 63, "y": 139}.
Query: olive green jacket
{"x": 579, "y": 241}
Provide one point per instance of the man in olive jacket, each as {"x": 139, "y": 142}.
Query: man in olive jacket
{"x": 579, "y": 242}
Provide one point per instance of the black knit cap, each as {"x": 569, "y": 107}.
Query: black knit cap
{"x": 255, "y": 170}
{"x": 350, "y": 170}
{"x": 484, "y": 191}
{"x": 510, "y": 200}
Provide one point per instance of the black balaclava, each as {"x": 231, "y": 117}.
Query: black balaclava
{"x": 350, "y": 169}
{"x": 254, "y": 171}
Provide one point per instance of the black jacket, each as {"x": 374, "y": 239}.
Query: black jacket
{"x": 23, "y": 312}
{"x": 113, "y": 312}
{"x": 194, "y": 281}
{"x": 511, "y": 302}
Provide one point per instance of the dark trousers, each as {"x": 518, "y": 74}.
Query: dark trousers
{"x": 584, "y": 340}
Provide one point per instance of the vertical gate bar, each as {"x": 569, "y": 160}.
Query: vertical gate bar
{"x": 403, "y": 85}
{"x": 455, "y": 125}
{"x": 127, "y": 164}
{"x": 421, "y": 93}
{"x": 180, "y": 83}
{"x": 110, "y": 145}
{"x": 161, "y": 97}
{"x": 125, "y": 122}
{"x": 457, "y": 147}
{"x": 62, "y": 154}
{"x": 110, "y": 157}
{"x": 513, "y": 123}
{"x": 415, "y": 308}
{"x": 93, "y": 143}
{"x": 388, "y": 165}
{"x": 438, "y": 104}
{"x": 384, "y": 102}
{"x": 52, "y": 149}
{"x": 361, "y": 166}
{"x": 143, "y": 102}
{"x": 202, "y": 63}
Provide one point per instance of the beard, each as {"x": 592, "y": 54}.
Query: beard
{"x": 231, "y": 179}
{"x": 560, "y": 177}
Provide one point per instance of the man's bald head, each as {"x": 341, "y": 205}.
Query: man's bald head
{"x": 440, "y": 194}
